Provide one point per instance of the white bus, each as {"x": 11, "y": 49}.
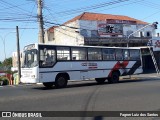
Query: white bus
{"x": 57, "y": 64}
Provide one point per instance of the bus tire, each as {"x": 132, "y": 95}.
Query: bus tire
{"x": 48, "y": 84}
{"x": 100, "y": 80}
{"x": 114, "y": 77}
{"x": 61, "y": 81}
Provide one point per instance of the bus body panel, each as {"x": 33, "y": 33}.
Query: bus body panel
{"x": 88, "y": 69}
{"x": 30, "y": 75}
{"x": 72, "y": 65}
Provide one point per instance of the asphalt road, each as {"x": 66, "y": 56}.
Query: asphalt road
{"x": 141, "y": 93}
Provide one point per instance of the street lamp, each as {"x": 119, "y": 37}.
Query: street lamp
{"x": 151, "y": 24}
{"x": 4, "y": 45}
{"x": 3, "y": 41}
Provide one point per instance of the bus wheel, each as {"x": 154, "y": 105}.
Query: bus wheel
{"x": 114, "y": 78}
{"x": 61, "y": 82}
{"x": 100, "y": 80}
{"x": 48, "y": 84}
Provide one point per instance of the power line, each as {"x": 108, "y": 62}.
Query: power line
{"x": 12, "y": 5}
{"x": 61, "y": 17}
{"x": 16, "y": 20}
{"x": 14, "y": 28}
{"x": 28, "y": 20}
{"x": 135, "y": 1}
{"x": 73, "y": 11}
{"x": 66, "y": 34}
{"x": 152, "y": 14}
{"x": 57, "y": 24}
{"x": 17, "y": 16}
{"x": 97, "y": 6}
{"x": 150, "y": 4}
{"x": 50, "y": 13}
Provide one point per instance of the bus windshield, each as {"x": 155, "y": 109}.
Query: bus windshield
{"x": 30, "y": 58}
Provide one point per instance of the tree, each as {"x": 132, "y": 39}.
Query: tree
{"x": 7, "y": 62}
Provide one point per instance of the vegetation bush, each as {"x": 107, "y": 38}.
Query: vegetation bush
{"x": 4, "y": 80}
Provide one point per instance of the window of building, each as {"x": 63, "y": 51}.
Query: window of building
{"x": 148, "y": 34}
{"x": 94, "y": 33}
{"x": 141, "y": 34}
{"x": 94, "y": 54}
{"x": 51, "y": 37}
{"x": 83, "y": 32}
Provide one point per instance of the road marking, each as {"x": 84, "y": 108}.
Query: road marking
{"x": 154, "y": 76}
{"x": 28, "y": 84}
{"x": 11, "y": 86}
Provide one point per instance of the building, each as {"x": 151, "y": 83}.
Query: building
{"x": 15, "y": 61}
{"x": 100, "y": 29}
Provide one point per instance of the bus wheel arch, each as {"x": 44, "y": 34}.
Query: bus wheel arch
{"x": 61, "y": 80}
{"x": 100, "y": 80}
{"x": 48, "y": 84}
{"x": 114, "y": 77}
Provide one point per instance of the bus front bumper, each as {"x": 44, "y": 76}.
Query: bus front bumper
{"x": 28, "y": 80}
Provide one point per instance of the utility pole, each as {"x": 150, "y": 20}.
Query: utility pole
{"x": 18, "y": 55}
{"x": 40, "y": 22}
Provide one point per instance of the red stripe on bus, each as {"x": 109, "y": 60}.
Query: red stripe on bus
{"x": 93, "y": 67}
{"x": 118, "y": 66}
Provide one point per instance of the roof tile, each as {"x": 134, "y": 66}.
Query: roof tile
{"x": 102, "y": 17}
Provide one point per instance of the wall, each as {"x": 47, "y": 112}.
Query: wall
{"x": 14, "y": 61}
{"x": 128, "y": 29}
{"x": 125, "y": 29}
{"x": 86, "y": 27}
{"x": 49, "y": 36}
{"x": 94, "y": 29}
{"x": 145, "y": 30}
{"x": 65, "y": 35}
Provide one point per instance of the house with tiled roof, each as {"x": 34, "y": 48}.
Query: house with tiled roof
{"x": 100, "y": 29}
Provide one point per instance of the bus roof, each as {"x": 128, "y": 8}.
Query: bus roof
{"x": 88, "y": 46}
{"x": 94, "y": 46}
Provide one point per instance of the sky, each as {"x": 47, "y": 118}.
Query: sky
{"x": 23, "y": 13}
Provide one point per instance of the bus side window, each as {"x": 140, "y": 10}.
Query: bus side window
{"x": 63, "y": 53}
{"x": 108, "y": 54}
{"x": 94, "y": 54}
{"x": 47, "y": 57}
{"x": 126, "y": 54}
{"x": 119, "y": 54}
{"x": 135, "y": 54}
{"x": 79, "y": 53}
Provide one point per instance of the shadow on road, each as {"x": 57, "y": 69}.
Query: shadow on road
{"x": 84, "y": 84}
